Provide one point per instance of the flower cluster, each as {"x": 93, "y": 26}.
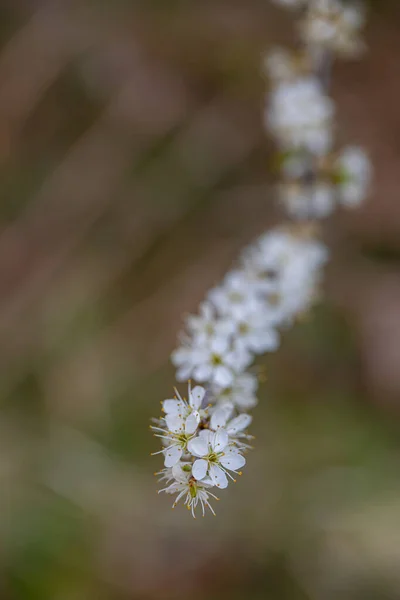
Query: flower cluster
{"x": 315, "y": 175}
{"x": 204, "y": 437}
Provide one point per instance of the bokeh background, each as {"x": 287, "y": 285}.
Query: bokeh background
{"x": 133, "y": 168}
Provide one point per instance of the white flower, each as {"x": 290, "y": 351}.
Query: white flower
{"x": 300, "y": 115}
{"x": 181, "y": 422}
{"x": 335, "y": 25}
{"x": 294, "y": 262}
{"x": 182, "y": 414}
{"x": 235, "y": 296}
{"x": 315, "y": 200}
{"x": 206, "y": 325}
{"x": 255, "y": 332}
{"x": 353, "y": 170}
{"x": 241, "y": 393}
{"x": 221, "y": 418}
{"x": 216, "y": 361}
{"x": 215, "y": 456}
{"x": 186, "y": 486}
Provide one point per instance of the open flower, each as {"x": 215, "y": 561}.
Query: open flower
{"x": 241, "y": 393}
{"x": 255, "y": 332}
{"x": 334, "y": 25}
{"x": 216, "y": 361}
{"x": 235, "y": 296}
{"x": 186, "y": 486}
{"x": 353, "y": 176}
{"x": 299, "y": 115}
{"x": 179, "y": 424}
{"x": 206, "y": 324}
{"x": 215, "y": 457}
{"x": 182, "y": 414}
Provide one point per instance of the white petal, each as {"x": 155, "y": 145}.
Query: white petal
{"x": 198, "y": 447}
{"x": 207, "y": 481}
{"x": 196, "y": 396}
{"x": 218, "y": 477}
{"x": 179, "y": 474}
{"x": 172, "y": 456}
{"x": 199, "y": 469}
{"x": 180, "y": 356}
{"x": 233, "y": 460}
{"x": 184, "y": 372}
{"x": 202, "y": 372}
{"x": 222, "y": 376}
{"x": 175, "y": 423}
{"x": 220, "y": 440}
{"x": 219, "y": 345}
{"x": 238, "y": 424}
{"x": 175, "y": 407}
{"x": 218, "y": 418}
{"x": 192, "y": 422}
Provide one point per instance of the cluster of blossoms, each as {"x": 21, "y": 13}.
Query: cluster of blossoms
{"x": 277, "y": 278}
{"x": 315, "y": 175}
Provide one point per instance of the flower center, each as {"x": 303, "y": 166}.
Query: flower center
{"x": 209, "y": 329}
{"x": 182, "y": 439}
{"x": 216, "y": 360}
{"x": 274, "y": 299}
{"x": 235, "y": 297}
{"x": 212, "y": 457}
{"x": 243, "y": 328}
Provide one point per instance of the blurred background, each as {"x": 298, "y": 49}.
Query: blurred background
{"x": 133, "y": 168}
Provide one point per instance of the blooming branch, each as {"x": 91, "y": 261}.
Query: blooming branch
{"x": 204, "y": 436}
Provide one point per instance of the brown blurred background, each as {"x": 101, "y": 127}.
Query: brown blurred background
{"x": 133, "y": 169}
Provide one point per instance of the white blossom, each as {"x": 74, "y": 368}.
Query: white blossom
{"x": 235, "y": 296}
{"x": 179, "y": 424}
{"x": 312, "y": 201}
{"x": 335, "y": 25}
{"x": 255, "y": 331}
{"x": 192, "y": 491}
{"x": 235, "y": 427}
{"x": 241, "y": 394}
{"x": 206, "y": 325}
{"x": 215, "y": 457}
{"x": 216, "y": 361}
{"x": 299, "y": 115}
{"x": 294, "y": 263}
{"x": 183, "y": 414}
{"x": 353, "y": 175}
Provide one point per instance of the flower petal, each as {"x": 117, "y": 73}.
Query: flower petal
{"x": 222, "y": 376}
{"x": 180, "y": 475}
{"x": 239, "y": 424}
{"x": 175, "y": 423}
{"x": 172, "y": 456}
{"x": 202, "y": 372}
{"x": 184, "y": 372}
{"x": 219, "y": 418}
{"x": 218, "y": 477}
{"x": 206, "y": 435}
{"x": 192, "y": 422}
{"x": 196, "y": 396}
{"x": 173, "y": 407}
{"x": 220, "y": 440}
{"x": 198, "y": 447}
{"x": 199, "y": 469}
{"x": 233, "y": 460}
